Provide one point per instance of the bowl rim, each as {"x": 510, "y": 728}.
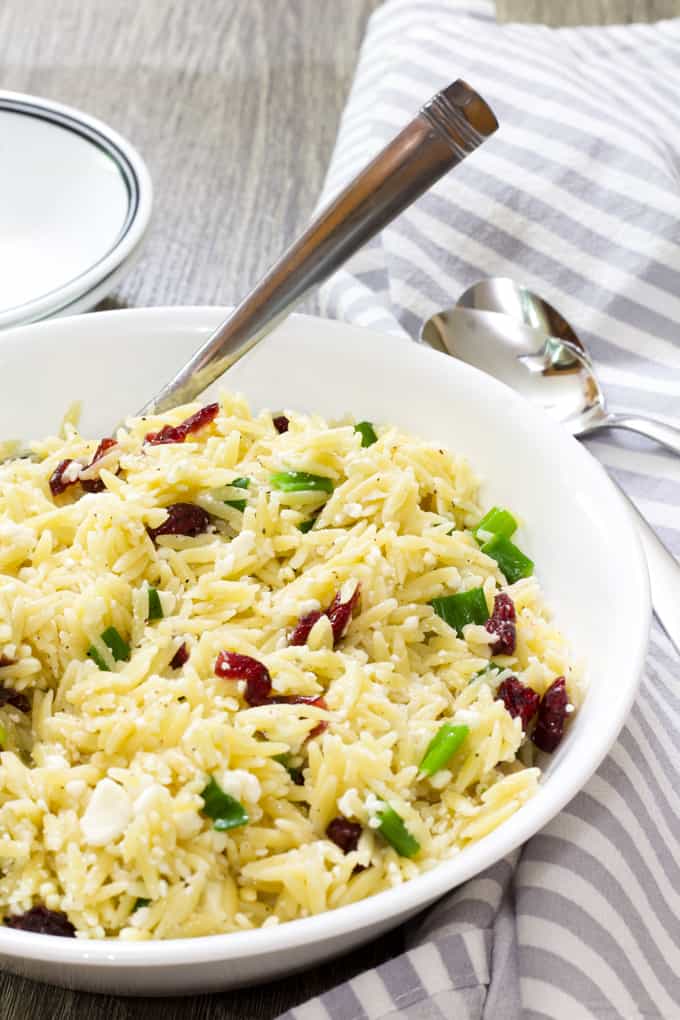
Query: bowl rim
{"x": 137, "y": 179}
{"x": 425, "y": 888}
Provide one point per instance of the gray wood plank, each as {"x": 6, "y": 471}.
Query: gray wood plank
{"x": 586, "y": 12}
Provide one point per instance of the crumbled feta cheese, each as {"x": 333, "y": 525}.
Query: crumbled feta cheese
{"x": 242, "y": 785}
{"x": 349, "y": 804}
{"x": 308, "y": 606}
{"x": 72, "y": 472}
{"x": 107, "y": 815}
{"x": 76, "y": 788}
{"x": 372, "y": 805}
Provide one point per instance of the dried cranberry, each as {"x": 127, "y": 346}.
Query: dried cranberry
{"x": 501, "y": 623}
{"x": 281, "y": 423}
{"x": 519, "y": 700}
{"x": 14, "y": 698}
{"x": 43, "y": 921}
{"x": 6, "y": 661}
{"x": 96, "y": 484}
{"x": 344, "y": 834}
{"x": 58, "y": 484}
{"x": 303, "y": 628}
{"x": 552, "y": 715}
{"x": 180, "y": 657}
{"x": 232, "y": 666}
{"x": 178, "y": 433}
{"x": 340, "y": 614}
{"x": 183, "y": 519}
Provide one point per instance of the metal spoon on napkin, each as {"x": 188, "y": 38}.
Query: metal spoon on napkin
{"x": 446, "y": 130}
{"x": 558, "y": 375}
{"x": 589, "y": 413}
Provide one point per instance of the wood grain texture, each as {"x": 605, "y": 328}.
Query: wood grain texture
{"x": 235, "y": 105}
{"x": 586, "y": 12}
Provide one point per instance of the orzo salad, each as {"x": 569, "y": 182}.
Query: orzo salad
{"x": 256, "y": 668}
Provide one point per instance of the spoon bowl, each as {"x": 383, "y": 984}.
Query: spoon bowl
{"x": 502, "y": 296}
{"x": 555, "y": 374}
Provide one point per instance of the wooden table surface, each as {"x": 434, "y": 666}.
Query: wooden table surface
{"x": 235, "y": 106}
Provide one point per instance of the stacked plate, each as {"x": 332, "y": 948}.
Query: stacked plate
{"x": 75, "y": 201}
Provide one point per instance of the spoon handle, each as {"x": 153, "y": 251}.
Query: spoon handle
{"x": 658, "y": 431}
{"x": 446, "y": 130}
{"x": 664, "y": 574}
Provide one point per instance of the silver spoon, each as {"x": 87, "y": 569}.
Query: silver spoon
{"x": 558, "y": 375}
{"x": 589, "y": 412}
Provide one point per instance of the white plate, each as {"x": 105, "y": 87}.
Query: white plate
{"x": 587, "y": 554}
{"x": 76, "y": 200}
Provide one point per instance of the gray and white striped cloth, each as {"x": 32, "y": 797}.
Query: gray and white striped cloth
{"x": 578, "y": 196}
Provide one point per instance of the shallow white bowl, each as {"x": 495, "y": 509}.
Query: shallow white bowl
{"x": 587, "y": 556}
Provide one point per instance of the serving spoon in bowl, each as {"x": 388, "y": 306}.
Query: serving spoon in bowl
{"x": 445, "y": 131}
{"x": 555, "y": 372}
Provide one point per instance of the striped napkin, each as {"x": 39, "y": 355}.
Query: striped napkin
{"x": 577, "y": 196}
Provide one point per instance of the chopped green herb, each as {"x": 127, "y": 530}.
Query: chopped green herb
{"x": 497, "y": 521}
{"x": 225, "y": 811}
{"x": 301, "y": 481}
{"x": 307, "y": 525}
{"x": 140, "y": 902}
{"x": 155, "y": 607}
{"x": 294, "y": 772}
{"x": 238, "y": 504}
{"x": 444, "y": 744}
{"x": 3, "y": 736}
{"x": 120, "y": 649}
{"x": 393, "y": 829}
{"x": 93, "y": 654}
{"x": 367, "y": 433}
{"x": 511, "y": 560}
{"x": 462, "y": 608}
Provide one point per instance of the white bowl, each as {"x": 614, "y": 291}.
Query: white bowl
{"x": 587, "y": 555}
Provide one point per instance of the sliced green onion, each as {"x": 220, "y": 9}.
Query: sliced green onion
{"x": 497, "y": 521}
{"x": 155, "y": 607}
{"x": 120, "y": 649}
{"x": 392, "y": 829}
{"x": 367, "y": 433}
{"x": 93, "y": 654}
{"x": 444, "y": 744}
{"x": 3, "y": 736}
{"x": 300, "y": 481}
{"x": 511, "y": 560}
{"x": 462, "y": 608}
{"x": 140, "y": 902}
{"x": 238, "y": 504}
{"x": 307, "y": 525}
{"x": 225, "y": 811}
